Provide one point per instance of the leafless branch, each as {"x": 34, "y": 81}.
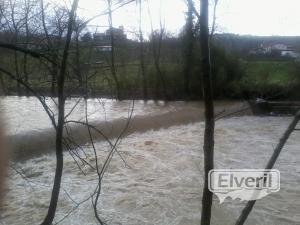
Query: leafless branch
{"x": 249, "y": 206}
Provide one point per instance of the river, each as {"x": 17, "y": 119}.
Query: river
{"x": 160, "y": 178}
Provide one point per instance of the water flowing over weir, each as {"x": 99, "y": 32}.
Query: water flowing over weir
{"x": 36, "y": 143}
{"x": 33, "y": 142}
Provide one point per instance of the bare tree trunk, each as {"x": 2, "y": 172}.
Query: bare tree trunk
{"x": 156, "y": 56}
{"x": 77, "y": 59}
{"x": 16, "y": 64}
{"x": 188, "y": 49}
{"x": 60, "y": 124}
{"x": 142, "y": 57}
{"x": 213, "y": 28}
{"x": 112, "y": 43}
{"x": 2, "y": 85}
{"x": 247, "y": 210}
{"x": 52, "y": 52}
{"x": 209, "y": 113}
{"x": 25, "y": 59}
{"x": 15, "y": 29}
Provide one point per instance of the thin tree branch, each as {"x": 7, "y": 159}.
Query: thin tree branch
{"x": 248, "y": 208}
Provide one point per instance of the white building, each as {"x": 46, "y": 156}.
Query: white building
{"x": 290, "y": 53}
{"x": 279, "y": 49}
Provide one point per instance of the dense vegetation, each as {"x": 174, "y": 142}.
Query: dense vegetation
{"x": 156, "y": 67}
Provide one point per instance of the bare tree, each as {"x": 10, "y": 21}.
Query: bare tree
{"x": 188, "y": 49}
{"x": 19, "y": 25}
{"x": 15, "y": 24}
{"x": 77, "y": 65}
{"x": 142, "y": 56}
{"x": 61, "y": 119}
{"x": 213, "y": 27}
{"x": 62, "y": 139}
{"x": 54, "y": 28}
{"x": 156, "y": 40}
{"x": 209, "y": 112}
{"x": 2, "y": 27}
{"x": 112, "y": 53}
{"x": 29, "y": 31}
{"x": 52, "y": 52}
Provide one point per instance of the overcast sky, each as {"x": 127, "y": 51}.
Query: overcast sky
{"x": 256, "y": 17}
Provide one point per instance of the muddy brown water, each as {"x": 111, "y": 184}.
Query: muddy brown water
{"x": 30, "y": 132}
{"x": 161, "y": 182}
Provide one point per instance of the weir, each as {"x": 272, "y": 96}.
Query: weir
{"x": 28, "y": 144}
{"x": 31, "y": 144}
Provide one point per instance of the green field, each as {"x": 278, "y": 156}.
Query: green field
{"x": 271, "y": 73}
{"x": 271, "y": 77}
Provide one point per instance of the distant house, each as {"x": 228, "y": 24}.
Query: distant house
{"x": 275, "y": 50}
{"x": 118, "y": 33}
{"x": 100, "y": 37}
{"x": 103, "y": 40}
{"x": 102, "y": 48}
{"x": 280, "y": 47}
{"x": 290, "y": 53}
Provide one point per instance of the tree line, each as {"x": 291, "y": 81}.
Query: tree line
{"x": 156, "y": 66}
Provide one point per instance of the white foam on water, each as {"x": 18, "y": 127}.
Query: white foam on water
{"x": 23, "y": 114}
{"x": 163, "y": 183}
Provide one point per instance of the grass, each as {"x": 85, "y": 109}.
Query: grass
{"x": 261, "y": 78}
{"x": 271, "y": 78}
{"x": 272, "y": 73}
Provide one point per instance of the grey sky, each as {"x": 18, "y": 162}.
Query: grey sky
{"x": 257, "y": 17}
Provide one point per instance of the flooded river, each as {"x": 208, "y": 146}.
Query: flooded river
{"x": 160, "y": 178}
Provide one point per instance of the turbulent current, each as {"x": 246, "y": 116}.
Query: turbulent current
{"x": 158, "y": 177}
